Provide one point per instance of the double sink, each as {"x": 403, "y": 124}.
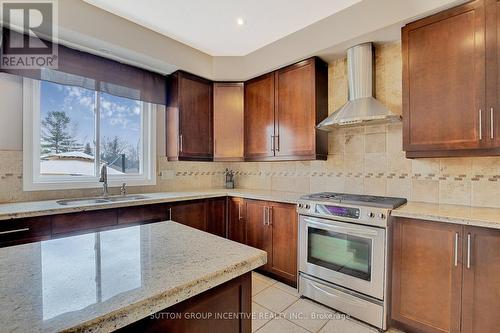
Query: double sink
{"x": 97, "y": 200}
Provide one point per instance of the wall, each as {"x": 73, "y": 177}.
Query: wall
{"x": 370, "y": 160}
{"x": 366, "y": 160}
{"x": 185, "y": 175}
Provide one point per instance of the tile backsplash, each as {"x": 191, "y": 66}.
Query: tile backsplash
{"x": 366, "y": 160}
{"x": 370, "y": 160}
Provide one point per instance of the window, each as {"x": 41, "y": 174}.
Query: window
{"x": 70, "y": 131}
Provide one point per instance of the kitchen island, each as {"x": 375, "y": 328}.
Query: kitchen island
{"x": 104, "y": 281}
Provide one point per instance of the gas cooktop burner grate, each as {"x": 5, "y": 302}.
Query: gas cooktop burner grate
{"x": 356, "y": 199}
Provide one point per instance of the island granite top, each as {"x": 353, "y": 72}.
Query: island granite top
{"x": 106, "y": 280}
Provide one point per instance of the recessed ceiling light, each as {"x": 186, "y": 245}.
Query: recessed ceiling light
{"x": 240, "y": 21}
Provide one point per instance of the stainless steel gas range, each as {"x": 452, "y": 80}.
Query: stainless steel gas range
{"x": 343, "y": 252}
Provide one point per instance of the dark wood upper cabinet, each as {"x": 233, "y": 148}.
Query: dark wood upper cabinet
{"x": 282, "y": 110}
{"x": 301, "y": 103}
{"x": 228, "y": 122}
{"x": 427, "y": 276}
{"x": 236, "y": 215}
{"x": 189, "y": 118}
{"x": 451, "y": 82}
{"x": 259, "y": 118}
{"x": 493, "y": 70}
{"x": 481, "y": 288}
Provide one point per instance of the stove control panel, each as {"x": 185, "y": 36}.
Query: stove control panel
{"x": 344, "y": 212}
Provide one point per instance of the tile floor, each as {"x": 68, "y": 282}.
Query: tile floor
{"x": 278, "y": 308}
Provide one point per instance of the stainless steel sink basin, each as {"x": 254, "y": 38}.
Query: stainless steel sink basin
{"x": 91, "y": 201}
{"x": 86, "y": 201}
{"x": 119, "y": 198}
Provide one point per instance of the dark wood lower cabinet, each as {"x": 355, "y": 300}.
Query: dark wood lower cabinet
{"x": 445, "y": 277}
{"x": 226, "y": 308}
{"x": 216, "y": 216}
{"x": 142, "y": 214}
{"x": 284, "y": 224}
{"x": 190, "y": 213}
{"x": 426, "y": 283}
{"x": 259, "y": 232}
{"x": 65, "y": 224}
{"x": 481, "y": 285}
{"x": 271, "y": 227}
{"x": 236, "y": 213}
{"x": 24, "y": 230}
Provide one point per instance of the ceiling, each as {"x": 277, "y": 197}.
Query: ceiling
{"x": 211, "y": 26}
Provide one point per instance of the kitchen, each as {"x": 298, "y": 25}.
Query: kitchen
{"x": 269, "y": 173}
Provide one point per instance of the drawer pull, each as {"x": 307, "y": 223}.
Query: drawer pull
{"x": 456, "y": 249}
{"x": 13, "y": 231}
{"x": 480, "y": 124}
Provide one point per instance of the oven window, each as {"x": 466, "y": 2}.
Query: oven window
{"x": 340, "y": 252}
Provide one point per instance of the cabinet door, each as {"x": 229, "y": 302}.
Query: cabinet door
{"x": 259, "y": 117}
{"x": 26, "y": 230}
{"x": 91, "y": 221}
{"x": 427, "y": 275}
{"x": 258, "y": 230}
{"x": 444, "y": 81}
{"x": 142, "y": 214}
{"x": 195, "y": 117}
{"x": 493, "y": 71}
{"x": 284, "y": 225}
{"x": 228, "y": 121}
{"x": 481, "y": 286}
{"x": 236, "y": 220}
{"x": 296, "y": 110}
{"x": 191, "y": 213}
{"x": 216, "y": 219}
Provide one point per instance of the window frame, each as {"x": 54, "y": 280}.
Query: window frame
{"x": 33, "y": 181}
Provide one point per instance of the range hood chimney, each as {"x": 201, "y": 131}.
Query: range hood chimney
{"x": 362, "y": 108}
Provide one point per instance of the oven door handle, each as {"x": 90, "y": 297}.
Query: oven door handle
{"x": 351, "y": 231}
{"x": 352, "y": 302}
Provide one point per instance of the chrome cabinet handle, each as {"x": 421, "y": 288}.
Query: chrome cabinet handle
{"x": 468, "y": 250}
{"x": 13, "y": 231}
{"x": 480, "y": 124}
{"x": 277, "y": 137}
{"x": 180, "y": 143}
{"x": 170, "y": 214}
{"x": 264, "y": 217}
{"x": 456, "y": 249}
{"x": 272, "y": 143}
{"x": 270, "y": 216}
{"x": 492, "y": 126}
{"x": 239, "y": 210}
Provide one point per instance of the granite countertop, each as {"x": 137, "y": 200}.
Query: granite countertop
{"x": 49, "y": 207}
{"x": 467, "y": 215}
{"x": 106, "y": 280}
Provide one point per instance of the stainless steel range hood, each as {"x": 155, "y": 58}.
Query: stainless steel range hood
{"x": 362, "y": 108}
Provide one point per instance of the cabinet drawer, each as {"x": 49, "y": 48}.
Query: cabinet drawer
{"x": 142, "y": 214}
{"x": 67, "y": 223}
{"x": 26, "y": 230}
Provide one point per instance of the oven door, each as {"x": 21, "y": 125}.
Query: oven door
{"x": 346, "y": 254}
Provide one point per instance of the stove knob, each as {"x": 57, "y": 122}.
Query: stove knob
{"x": 307, "y": 206}
{"x": 371, "y": 215}
{"x": 301, "y": 205}
{"x": 381, "y": 215}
